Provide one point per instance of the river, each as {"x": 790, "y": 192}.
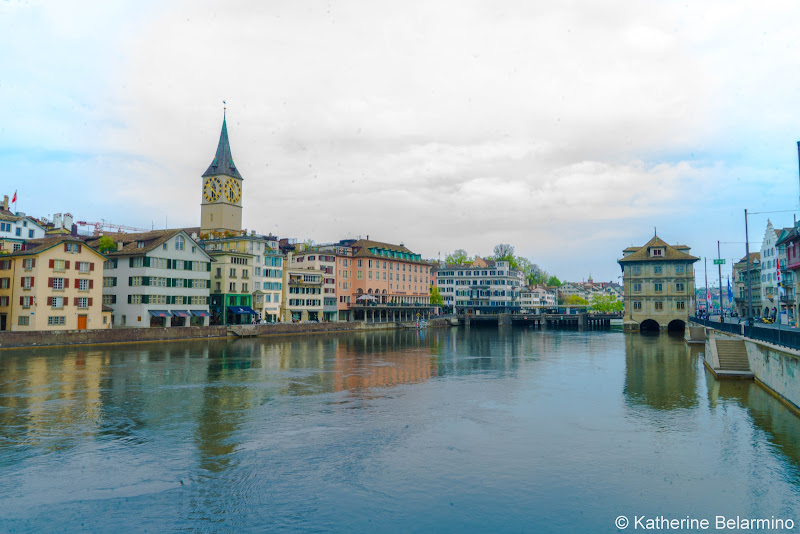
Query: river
{"x": 444, "y": 430}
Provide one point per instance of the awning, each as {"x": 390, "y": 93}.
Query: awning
{"x": 181, "y": 313}
{"x": 200, "y": 313}
{"x": 160, "y": 313}
{"x": 241, "y": 310}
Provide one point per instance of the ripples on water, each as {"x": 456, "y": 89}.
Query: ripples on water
{"x": 446, "y": 430}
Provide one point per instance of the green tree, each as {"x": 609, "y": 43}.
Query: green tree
{"x": 458, "y": 257}
{"x": 105, "y": 244}
{"x": 553, "y": 281}
{"x": 505, "y": 252}
{"x": 575, "y": 300}
{"x": 606, "y": 304}
{"x": 436, "y": 297}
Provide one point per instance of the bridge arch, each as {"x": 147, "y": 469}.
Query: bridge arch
{"x": 649, "y": 325}
{"x": 676, "y": 325}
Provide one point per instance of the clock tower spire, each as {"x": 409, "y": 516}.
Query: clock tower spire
{"x": 221, "y": 205}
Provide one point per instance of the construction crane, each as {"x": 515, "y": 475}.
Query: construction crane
{"x": 100, "y": 226}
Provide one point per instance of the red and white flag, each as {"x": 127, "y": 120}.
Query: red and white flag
{"x": 15, "y": 197}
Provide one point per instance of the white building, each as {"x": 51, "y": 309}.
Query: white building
{"x": 770, "y": 255}
{"x": 16, "y": 228}
{"x": 482, "y": 287}
{"x": 158, "y": 278}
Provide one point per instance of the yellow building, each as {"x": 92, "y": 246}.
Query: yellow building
{"x": 659, "y": 286}
{"x": 55, "y": 283}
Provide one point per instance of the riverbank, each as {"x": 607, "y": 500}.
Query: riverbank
{"x": 14, "y": 340}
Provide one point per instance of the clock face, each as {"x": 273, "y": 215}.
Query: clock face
{"x": 212, "y": 189}
{"x": 233, "y": 190}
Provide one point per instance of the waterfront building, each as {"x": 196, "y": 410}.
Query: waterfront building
{"x": 325, "y": 261}
{"x": 739, "y": 285}
{"x": 221, "y": 198}
{"x": 659, "y": 286}
{"x": 261, "y": 275}
{"x": 302, "y": 292}
{"x": 482, "y": 287}
{"x": 771, "y": 254}
{"x": 53, "y": 283}
{"x": 156, "y": 279}
{"x": 16, "y": 228}
{"x": 789, "y": 246}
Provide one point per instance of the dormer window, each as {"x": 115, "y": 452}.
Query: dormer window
{"x": 657, "y": 252}
{"x": 140, "y": 244}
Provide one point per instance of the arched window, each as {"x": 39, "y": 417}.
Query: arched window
{"x": 179, "y": 243}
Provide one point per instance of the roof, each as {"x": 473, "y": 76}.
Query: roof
{"x": 787, "y": 235}
{"x": 223, "y": 160}
{"x": 362, "y": 247}
{"x": 34, "y": 247}
{"x": 671, "y": 253}
{"x": 130, "y": 242}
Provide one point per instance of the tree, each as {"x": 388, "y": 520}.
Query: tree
{"x": 436, "y": 297}
{"x": 458, "y": 257}
{"x": 105, "y": 244}
{"x": 575, "y": 300}
{"x": 553, "y": 281}
{"x": 606, "y": 304}
{"x": 504, "y": 252}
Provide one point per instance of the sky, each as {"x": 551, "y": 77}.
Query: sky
{"x": 570, "y": 130}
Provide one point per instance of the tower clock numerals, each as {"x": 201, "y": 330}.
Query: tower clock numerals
{"x": 212, "y": 189}
{"x": 233, "y": 190}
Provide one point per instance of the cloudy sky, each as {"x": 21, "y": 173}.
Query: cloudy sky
{"x": 568, "y": 129}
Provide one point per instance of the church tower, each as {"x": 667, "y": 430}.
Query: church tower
{"x": 221, "y": 206}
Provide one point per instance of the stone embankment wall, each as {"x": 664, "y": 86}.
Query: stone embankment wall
{"x": 778, "y": 368}
{"x": 134, "y": 335}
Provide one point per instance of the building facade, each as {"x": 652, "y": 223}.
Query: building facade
{"x": 772, "y": 256}
{"x": 740, "y": 283}
{"x": 156, "y": 279}
{"x": 658, "y": 285}
{"x": 318, "y": 259}
{"x": 53, "y": 283}
{"x": 302, "y": 293}
{"x": 482, "y": 287}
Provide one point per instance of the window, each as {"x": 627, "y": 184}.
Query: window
{"x": 659, "y": 305}
{"x": 137, "y": 261}
{"x": 19, "y": 231}
{"x": 679, "y": 269}
{"x": 109, "y": 281}
{"x": 27, "y": 282}
{"x": 72, "y": 248}
{"x": 3, "y": 301}
{"x": 24, "y": 320}
{"x": 360, "y": 263}
{"x": 637, "y": 269}
{"x": 657, "y": 252}
{"x": 680, "y": 305}
{"x": 680, "y": 286}
{"x": 27, "y": 264}
{"x": 54, "y": 321}
{"x": 30, "y": 233}
{"x": 637, "y": 305}
{"x": 110, "y": 264}
{"x": 360, "y": 274}
{"x": 232, "y": 287}
{"x": 658, "y": 269}
{"x": 26, "y": 301}
{"x": 108, "y": 300}
{"x": 58, "y": 302}
{"x": 83, "y": 285}
{"x": 233, "y": 272}
{"x": 58, "y": 265}
{"x": 83, "y": 302}
{"x": 83, "y": 266}
{"x": 658, "y": 287}
{"x": 637, "y": 287}
{"x": 58, "y": 283}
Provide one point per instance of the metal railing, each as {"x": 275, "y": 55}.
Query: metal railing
{"x": 785, "y": 336}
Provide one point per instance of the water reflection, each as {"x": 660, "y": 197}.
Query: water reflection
{"x": 660, "y": 372}
{"x": 315, "y": 433}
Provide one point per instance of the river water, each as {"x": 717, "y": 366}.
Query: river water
{"x": 445, "y": 430}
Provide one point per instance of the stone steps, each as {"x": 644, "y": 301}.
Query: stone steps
{"x": 732, "y": 355}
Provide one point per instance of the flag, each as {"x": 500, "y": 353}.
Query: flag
{"x": 708, "y": 298}
{"x": 730, "y": 292}
{"x": 15, "y": 197}
{"x": 778, "y": 276}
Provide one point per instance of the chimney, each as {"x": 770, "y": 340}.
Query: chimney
{"x": 5, "y": 202}
{"x": 119, "y": 245}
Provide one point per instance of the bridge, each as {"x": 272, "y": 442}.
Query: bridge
{"x": 543, "y": 320}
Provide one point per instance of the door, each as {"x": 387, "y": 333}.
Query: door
{"x": 81, "y": 322}
{"x": 2, "y": 321}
